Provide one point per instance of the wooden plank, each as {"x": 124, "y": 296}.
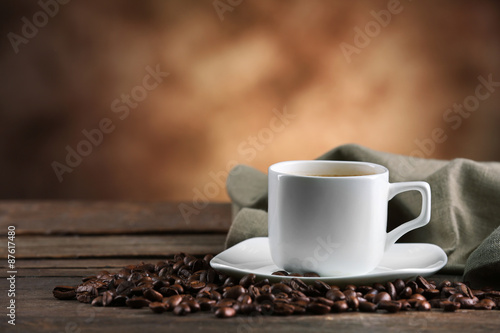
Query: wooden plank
{"x": 114, "y": 246}
{"x": 103, "y": 217}
{"x": 38, "y": 311}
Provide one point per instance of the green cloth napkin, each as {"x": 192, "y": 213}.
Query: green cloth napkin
{"x": 465, "y": 216}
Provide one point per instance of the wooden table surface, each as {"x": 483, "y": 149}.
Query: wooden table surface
{"x": 58, "y": 243}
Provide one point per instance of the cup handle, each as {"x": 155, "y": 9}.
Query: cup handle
{"x": 421, "y": 220}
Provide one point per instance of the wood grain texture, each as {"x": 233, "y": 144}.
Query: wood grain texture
{"x": 115, "y": 245}
{"x": 103, "y": 217}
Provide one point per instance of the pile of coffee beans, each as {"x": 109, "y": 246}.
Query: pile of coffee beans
{"x": 186, "y": 284}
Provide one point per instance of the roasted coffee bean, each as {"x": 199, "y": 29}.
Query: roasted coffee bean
{"x": 205, "y": 303}
{"x": 318, "y": 308}
{"x": 193, "y": 306}
{"x": 367, "y": 307}
{"x": 248, "y": 280}
{"x": 137, "y": 302}
{"x": 389, "y": 306}
{"x": 418, "y": 297}
{"x": 431, "y": 293}
{"x": 64, "y": 292}
{"x": 284, "y": 309}
{"x": 158, "y": 307}
{"x": 234, "y": 292}
{"x": 435, "y": 303}
{"x": 246, "y": 309}
{"x": 340, "y": 306}
{"x": 107, "y": 298}
{"x": 484, "y": 304}
{"x": 399, "y": 285}
{"x": 323, "y": 300}
{"x": 152, "y": 295}
{"x": 348, "y": 293}
{"x": 181, "y": 309}
{"x": 347, "y": 287}
{"x": 405, "y": 293}
{"x": 379, "y": 287}
{"x": 423, "y": 283}
{"x": 466, "y": 302}
{"x": 321, "y": 286}
{"x": 450, "y": 306}
{"x": 173, "y": 301}
{"x": 215, "y": 295}
{"x": 352, "y": 302}
{"x": 244, "y": 299}
{"x": 225, "y": 312}
{"x": 280, "y": 273}
{"x": 391, "y": 290}
{"x": 413, "y": 285}
{"x": 335, "y": 295}
{"x": 382, "y": 296}
{"x": 311, "y": 274}
{"x": 197, "y": 285}
{"x": 280, "y": 287}
{"x": 423, "y": 306}
{"x": 97, "y": 301}
{"x": 405, "y": 306}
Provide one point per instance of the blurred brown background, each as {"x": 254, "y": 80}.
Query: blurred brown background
{"x": 251, "y": 82}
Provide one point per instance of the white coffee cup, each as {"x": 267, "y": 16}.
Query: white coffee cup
{"x": 330, "y": 217}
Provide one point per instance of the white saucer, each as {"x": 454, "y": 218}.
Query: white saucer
{"x": 401, "y": 261}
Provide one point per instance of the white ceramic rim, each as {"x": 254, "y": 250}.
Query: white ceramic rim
{"x": 282, "y": 168}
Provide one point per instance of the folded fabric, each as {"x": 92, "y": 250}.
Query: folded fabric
{"x": 465, "y": 207}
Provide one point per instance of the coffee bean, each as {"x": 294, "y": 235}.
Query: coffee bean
{"x": 323, "y": 300}
{"x": 418, "y": 297}
{"x": 405, "y": 306}
{"x": 352, "y": 302}
{"x": 181, "y": 309}
{"x": 64, "y": 292}
{"x": 158, "y": 307}
{"x": 137, "y": 302}
{"x": 405, "y": 293}
{"x": 391, "y": 290}
{"x": 466, "y": 302}
{"x": 173, "y": 301}
{"x": 335, "y": 295}
{"x": 321, "y": 286}
{"x": 284, "y": 309}
{"x": 389, "y": 306}
{"x": 450, "y": 306}
{"x": 234, "y": 292}
{"x": 225, "y": 312}
{"x": 382, "y": 296}
{"x": 399, "y": 285}
{"x": 311, "y": 274}
{"x": 318, "y": 308}
{"x": 205, "y": 303}
{"x": 280, "y": 273}
{"x": 423, "y": 306}
{"x": 367, "y": 307}
{"x": 107, "y": 298}
{"x": 340, "y": 306}
{"x": 193, "y": 306}
{"x": 423, "y": 283}
{"x": 248, "y": 280}
{"x": 484, "y": 304}
{"x": 152, "y": 295}
{"x": 97, "y": 301}
{"x": 280, "y": 287}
